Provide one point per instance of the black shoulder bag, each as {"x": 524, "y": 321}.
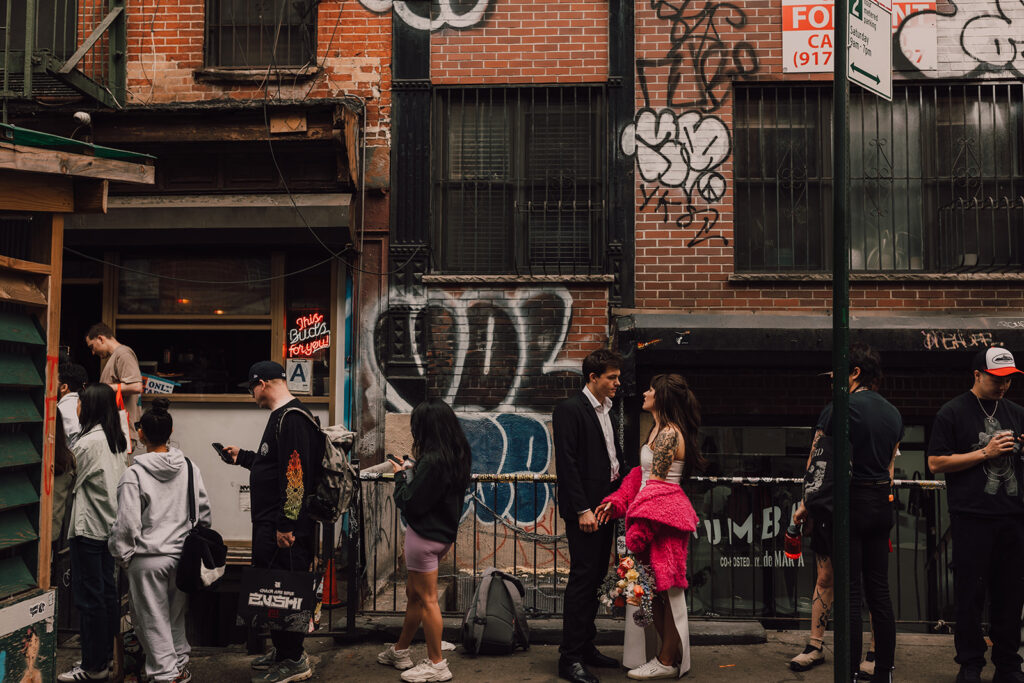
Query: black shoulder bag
{"x": 204, "y": 555}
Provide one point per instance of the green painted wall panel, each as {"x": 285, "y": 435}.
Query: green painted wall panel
{"x": 18, "y": 407}
{"x": 16, "y": 489}
{"x": 15, "y": 576}
{"x": 16, "y": 529}
{"x": 19, "y": 327}
{"x": 18, "y": 370}
{"x": 17, "y": 450}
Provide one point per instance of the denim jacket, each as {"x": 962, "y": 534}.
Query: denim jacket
{"x": 95, "y": 493}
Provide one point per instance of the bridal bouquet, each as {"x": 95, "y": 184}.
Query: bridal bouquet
{"x": 630, "y": 582}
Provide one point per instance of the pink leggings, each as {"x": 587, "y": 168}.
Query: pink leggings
{"x": 422, "y": 554}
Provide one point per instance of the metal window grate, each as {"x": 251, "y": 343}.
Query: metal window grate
{"x": 520, "y": 179}
{"x": 915, "y": 165}
{"x": 260, "y": 33}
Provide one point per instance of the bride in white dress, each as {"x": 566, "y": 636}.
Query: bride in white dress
{"x": 659, "y": 520}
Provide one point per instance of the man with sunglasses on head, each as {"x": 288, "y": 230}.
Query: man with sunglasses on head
{"x": 976, "y": 443}
{"x": 286, "y": 465}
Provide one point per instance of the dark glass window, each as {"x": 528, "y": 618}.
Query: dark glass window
{"x": 520, "y": 179}
{"x": 936, "y": 179}
{"x": 260, "y": 33}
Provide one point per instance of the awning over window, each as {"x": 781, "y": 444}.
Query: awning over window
{"x": 773, "y": 340}
{"x": 256, "y": 211}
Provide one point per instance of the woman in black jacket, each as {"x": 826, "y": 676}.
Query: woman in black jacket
{"x": 430, "y": 491}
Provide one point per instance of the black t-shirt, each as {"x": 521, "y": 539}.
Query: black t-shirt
{"x": 990, "y": 488}
{"x": 284, "y": 471}
{"x": 875, "y": 429}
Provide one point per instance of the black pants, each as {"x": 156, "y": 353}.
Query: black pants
{"x": 988, "y": 554}
{"x": 871, "y": 518}
{"x": 95, "y": 595}
{"x": 588, "y": 558}
{"x": 299, "y": 557}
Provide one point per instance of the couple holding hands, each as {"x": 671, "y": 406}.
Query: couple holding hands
{"x": 594, "y": 490}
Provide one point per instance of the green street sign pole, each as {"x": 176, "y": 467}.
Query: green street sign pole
{"x": 841, "y": 345}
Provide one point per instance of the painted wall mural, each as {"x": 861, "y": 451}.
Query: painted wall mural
{"x": 443, "y": 13}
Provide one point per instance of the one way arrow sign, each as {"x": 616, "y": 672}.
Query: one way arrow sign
{"x": 870, "y": 53}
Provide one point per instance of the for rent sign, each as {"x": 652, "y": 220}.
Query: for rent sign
{"x": 808, "y": 35}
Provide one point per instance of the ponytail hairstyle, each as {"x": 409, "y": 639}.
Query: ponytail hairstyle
{"x": 99, "y": 408}
{"x": 437, "y": 435}
{"x": 156, "y": 423}
{"x": 678, "y": 407}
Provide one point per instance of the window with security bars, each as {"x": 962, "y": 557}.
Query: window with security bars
{"x": 520, "y": 180}
{"x": 936, "y": 179}
{"x": 250, "y": 34}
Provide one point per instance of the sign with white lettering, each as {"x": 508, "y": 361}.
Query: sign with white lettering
{"x": 808, "y": 34}
{"x": 870, "y": 53}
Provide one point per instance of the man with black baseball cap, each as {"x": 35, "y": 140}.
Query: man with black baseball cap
{"x": 286, "y": 465}
{"x": 976, "y": 443}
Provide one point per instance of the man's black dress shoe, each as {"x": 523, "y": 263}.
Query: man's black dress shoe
{"x": 595, "y": 658}
{"x": 575, "y": 671}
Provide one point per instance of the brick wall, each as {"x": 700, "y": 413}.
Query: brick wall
{"x": 526, "y": 42}
{"x": 165, "y": 49}
{"x": 688, "y": 57}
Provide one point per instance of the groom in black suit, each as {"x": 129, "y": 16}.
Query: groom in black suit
{"x": 589, "y": 466}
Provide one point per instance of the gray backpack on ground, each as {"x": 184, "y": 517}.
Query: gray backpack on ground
{"x": 495, "y": 623}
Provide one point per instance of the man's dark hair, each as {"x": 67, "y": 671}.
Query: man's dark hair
{"x": 870, "y": 363}
{"x": 98, "y": 329}
{"x": 600, "y": 362}
{"x": 72, "y": 374}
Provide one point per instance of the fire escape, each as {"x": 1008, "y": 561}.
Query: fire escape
{"x": 54, "y": 50}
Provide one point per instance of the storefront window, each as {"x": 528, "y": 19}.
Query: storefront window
{"x": 222, "y": 286}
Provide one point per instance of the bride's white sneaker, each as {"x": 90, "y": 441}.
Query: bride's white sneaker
{"x": 653, "y": 669}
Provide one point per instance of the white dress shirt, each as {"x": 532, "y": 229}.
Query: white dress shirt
{"x": 604, "y": 416}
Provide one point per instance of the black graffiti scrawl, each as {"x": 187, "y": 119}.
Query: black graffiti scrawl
{"x": 684, "y": 149}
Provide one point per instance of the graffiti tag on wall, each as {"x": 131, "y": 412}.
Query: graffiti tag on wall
{"x": 443, "y": 13}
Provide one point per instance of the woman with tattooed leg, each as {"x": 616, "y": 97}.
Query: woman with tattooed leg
{"x": 660, "y": 518}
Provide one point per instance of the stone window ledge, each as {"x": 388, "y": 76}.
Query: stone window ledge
{"x": 223, "y": 75}
{"x": 515, "y": 279}
{"x": 879, "y": 277}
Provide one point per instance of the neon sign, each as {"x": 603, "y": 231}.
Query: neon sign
{"x": 308, "y": 335}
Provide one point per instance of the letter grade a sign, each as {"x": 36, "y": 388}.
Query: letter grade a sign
{"x": 870, "y": 46}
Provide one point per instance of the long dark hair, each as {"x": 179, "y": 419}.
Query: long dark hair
{"x": 436, "y": 434}
{"x": 99, "y": 408}
{"x": 156, "y": 423}
{"x": 679, "y": 408}
{"x": 63, "y": 458}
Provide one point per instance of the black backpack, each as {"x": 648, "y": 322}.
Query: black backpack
{"x": 335, "y": 489}
{"x": 495, "y": 623}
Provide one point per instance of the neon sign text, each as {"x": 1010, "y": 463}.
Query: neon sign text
{"x": 309, "y": 335}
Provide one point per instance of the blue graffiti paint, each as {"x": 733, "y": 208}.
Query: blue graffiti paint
{"x": 509, "y": 443}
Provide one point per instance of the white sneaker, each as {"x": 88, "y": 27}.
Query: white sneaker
{"x": 426, "y": 670}
{"x": 400, "y": 659}
{"x": 653, "y": 669}
{"x": 78, "y": 674}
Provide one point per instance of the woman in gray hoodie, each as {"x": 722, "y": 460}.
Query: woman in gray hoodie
{"x": 147, "y": 537}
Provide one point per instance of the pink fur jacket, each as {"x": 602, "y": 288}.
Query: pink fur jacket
{"x": 659, "y": 521}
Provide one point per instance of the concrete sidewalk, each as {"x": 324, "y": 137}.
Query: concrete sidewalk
{"x": 924, "y": 658}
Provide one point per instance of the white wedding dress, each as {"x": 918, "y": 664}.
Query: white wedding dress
{"x": 641, "y": 644}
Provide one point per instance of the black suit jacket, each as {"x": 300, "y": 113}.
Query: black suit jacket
{"x": 581, "y": 457}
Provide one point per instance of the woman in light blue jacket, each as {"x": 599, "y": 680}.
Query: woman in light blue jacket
{"x": 101, "y": 455}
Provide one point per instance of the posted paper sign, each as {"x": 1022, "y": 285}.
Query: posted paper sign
{"x": 299, "y": 372}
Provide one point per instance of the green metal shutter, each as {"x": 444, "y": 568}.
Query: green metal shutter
{"x": 22, "y": 368}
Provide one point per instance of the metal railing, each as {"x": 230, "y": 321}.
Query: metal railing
{"x": 984, "y": 235}
{"x": 737, "y": 567}
{"x": 60, "y": 48}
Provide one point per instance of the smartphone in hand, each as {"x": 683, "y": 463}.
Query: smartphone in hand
{"x": 395, "y": 459}
{"x": 219, "y": 447}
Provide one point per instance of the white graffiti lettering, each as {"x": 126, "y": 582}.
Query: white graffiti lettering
{"x": 446, "y": 16}
{"x": 275, "y": 601}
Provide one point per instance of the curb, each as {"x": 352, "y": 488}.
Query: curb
{"x": 549, "y": 631}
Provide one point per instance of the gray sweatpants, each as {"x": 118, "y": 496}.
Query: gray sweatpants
{"x": 158, "y": 613}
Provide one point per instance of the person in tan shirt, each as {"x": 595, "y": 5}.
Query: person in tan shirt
{"x": 120, "y": 371}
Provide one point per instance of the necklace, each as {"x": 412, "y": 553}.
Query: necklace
{"x": 989, "y": 418}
